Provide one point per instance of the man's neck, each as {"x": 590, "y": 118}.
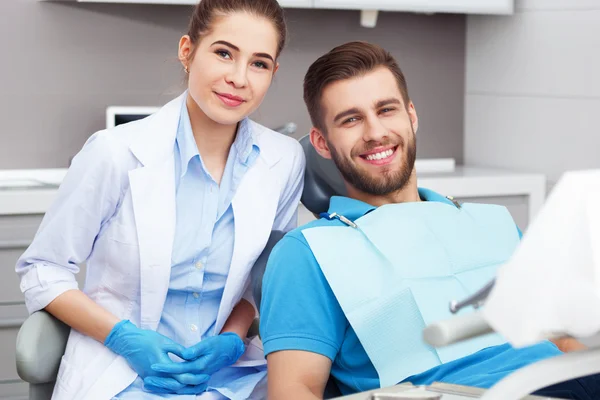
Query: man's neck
{"x": 409, "y": 193}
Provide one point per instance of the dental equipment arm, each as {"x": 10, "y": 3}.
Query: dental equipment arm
{"x": 456, "y": 329}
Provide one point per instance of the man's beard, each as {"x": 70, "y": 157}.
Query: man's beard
{"x": 388, "y": 181}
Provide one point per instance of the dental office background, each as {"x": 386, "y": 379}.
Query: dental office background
{"x": 506, "y": 103}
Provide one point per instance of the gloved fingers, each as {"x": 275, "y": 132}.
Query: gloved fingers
{"x": 192, "y": 379}
{"x": 193, "y": 389}
{"x": 169, "y": 385}
{"x": 174, "y": 348}
{"x": 186, "y": 367}
{"x": 228, "y": 342}
{"x": 156, "y": 389}
{"x": 231, "y": 344}
{"x": 198, "y": 350}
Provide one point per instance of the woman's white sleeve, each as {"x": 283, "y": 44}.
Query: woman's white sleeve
{"x": 88, "y": 197}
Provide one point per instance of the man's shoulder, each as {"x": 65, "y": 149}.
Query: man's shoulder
{"x": 296, "y": 235}
{"x": 293, "y": 251}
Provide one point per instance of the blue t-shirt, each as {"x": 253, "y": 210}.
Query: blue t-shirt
{"x": 300, "y": 312}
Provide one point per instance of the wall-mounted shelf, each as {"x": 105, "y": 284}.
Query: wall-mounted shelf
{"x": 421, "y": 6}
{"x": 284, "y": 3}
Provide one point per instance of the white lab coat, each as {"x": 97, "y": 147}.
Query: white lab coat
{"x": 115, "y": 211}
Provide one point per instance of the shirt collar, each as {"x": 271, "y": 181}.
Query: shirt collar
{"x": 354, "y": 209}
{"x": 185, "y": 139}
{"x": 245, "y": 144}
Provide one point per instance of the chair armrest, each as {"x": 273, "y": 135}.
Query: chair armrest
{"x": 456, "y": 329}
{"x": 41, "y": 344}
{"x": 544, "y": 373}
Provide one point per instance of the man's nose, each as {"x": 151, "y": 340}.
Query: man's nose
{"x": 374, "y": 131}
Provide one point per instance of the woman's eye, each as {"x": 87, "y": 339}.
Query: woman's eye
{"x": 223, "y": 54}
{"x": 261, "y": 65}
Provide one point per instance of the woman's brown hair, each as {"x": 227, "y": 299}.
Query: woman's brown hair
{"x": 206, "y": 11}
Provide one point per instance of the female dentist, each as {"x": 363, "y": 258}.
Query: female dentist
{"x": 170, "y": 213}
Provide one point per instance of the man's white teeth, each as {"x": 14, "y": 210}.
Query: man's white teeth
{"x": 380, "y": 156}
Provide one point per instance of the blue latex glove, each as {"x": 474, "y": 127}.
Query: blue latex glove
{"x": 207, "y": 357}
{"x": 183, "y": 384}
{"x": 142, "y": 348}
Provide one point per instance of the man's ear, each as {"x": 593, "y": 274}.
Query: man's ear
{"x": 317, "y": 139}
{"x": 412, "y": 113}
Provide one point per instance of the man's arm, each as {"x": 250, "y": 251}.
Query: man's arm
{"x": 297, "y": 375}
{"x": 302, "y": 325}
{"x": 568, "y": 344}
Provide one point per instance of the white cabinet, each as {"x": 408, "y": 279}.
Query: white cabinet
{"x": 296, "y": 3}
{"x": 429, "y": 6}
{"x": 426, "y": 6}
{"x": 284, "y": 3}
{"x": 170, "y": 2}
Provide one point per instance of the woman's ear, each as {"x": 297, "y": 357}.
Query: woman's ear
{"x": 185, "y": 51}
{"x": 317, "y": 139}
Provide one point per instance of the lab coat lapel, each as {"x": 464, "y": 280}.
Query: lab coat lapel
{"x": 254, "y": 207}
{"x": 153, "y": 193}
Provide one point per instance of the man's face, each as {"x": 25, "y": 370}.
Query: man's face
{"x": 370, "y": 132}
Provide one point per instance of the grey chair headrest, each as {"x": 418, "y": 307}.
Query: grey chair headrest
{"x": 322, "y": 180}
{"x": 258, "y": 270}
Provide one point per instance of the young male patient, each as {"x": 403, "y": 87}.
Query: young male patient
{"x": 349, "y": 295}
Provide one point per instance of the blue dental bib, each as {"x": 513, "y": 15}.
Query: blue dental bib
{"x": 396, "y": 269}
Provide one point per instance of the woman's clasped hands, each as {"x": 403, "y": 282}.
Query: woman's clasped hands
{"x": 146, "y": 351}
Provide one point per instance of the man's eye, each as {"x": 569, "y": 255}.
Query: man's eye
{"x": 223, "y": 54}
{"x": 388, "y": 109}
{"x": 350, "y": 120}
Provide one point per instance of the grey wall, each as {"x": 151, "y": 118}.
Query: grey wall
{"x": 64, "y": 63}
{"x": 533, "y": 89}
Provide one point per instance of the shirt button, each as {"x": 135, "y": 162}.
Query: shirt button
{"x": 193, "y": 328}
{"x": 198, "y": 265}
{"x": 196, "y": 295}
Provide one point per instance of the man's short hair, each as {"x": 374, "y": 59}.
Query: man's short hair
{"x": 347, "y": 61}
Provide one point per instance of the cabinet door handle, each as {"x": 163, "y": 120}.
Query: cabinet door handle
{"x": 14, "y": 244}
{"x": 11, "y": 323}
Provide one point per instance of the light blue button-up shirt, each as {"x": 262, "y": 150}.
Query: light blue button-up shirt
{"x": 203, "y": 243}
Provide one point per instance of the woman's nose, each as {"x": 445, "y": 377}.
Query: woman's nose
{"x": 237, "y": 76}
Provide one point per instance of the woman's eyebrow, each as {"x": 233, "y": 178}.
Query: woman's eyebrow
{"x": 264, "y": 55}
{"x": 234, "y": 47}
